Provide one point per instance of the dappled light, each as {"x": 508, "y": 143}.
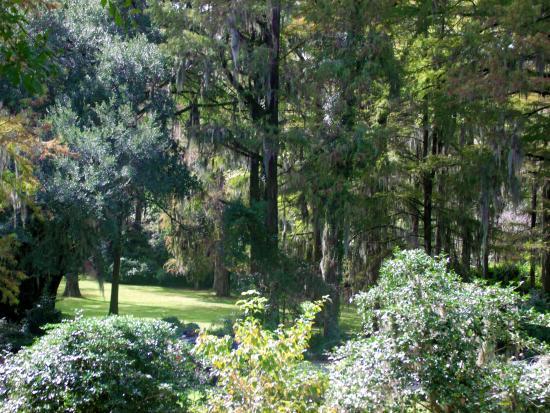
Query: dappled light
{"x": 288, "y": 206}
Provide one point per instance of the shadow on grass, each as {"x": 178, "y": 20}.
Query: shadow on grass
{"x": 201, "y": 307}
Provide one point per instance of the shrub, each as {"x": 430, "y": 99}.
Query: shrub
{"x": 264, "y": 371}
{"x": 13, "y": 337}
{"x": 434, "y": 341}
{"x": 99, "y": 365}
{"x": 42, "y": 313}
{"x": 182, "y": 329}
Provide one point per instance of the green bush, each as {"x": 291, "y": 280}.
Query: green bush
{"x": 42, "y": 313}
{"x": 12, "y": 337}
{"x": 433, "y": 341}
{"x": 182, "y": 329}
{"x": 264, "y": 371}
{"x": 109, "y": 364}
{"x": 506, "y": 274}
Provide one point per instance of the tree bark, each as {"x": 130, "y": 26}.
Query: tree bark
{"x": 414, "y": 229}
{"x": 270, "y": 141}
{"x": 466, "y": 250}
{"x": 52, "y": 285}
{"x": 533, "y": 262}
{"x": 117, "y": 253}
{"x": 139, "y": 213}
{"x": 486, "y": 223}
{"x": 330, "y": 271}
{"x": 72, "y": 288}
{"x": 221, "y": 275}
{"x": 254, "y": 198}
{"x": 438, "y": 236}
{"x": 545, "y": 275}
{"x": 427, "y": 182}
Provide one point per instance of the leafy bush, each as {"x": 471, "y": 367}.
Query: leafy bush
{"x": 182, "y": 329}
{"x": 264, "y": 371}
{"x": 506, "y": 274}
{"x": 42, "y": 313}
{"x": 99, "y": 365}
{"x": 13, "y": 337}
{"x": 432, "y": 340}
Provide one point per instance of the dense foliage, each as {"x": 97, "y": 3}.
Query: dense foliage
{"x": 431, "y": 340}
{"x": 259, "y": 370}
{"x": 100, "y": 365}
{"x": 286, "y": 147}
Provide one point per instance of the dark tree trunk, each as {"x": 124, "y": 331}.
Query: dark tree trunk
{"x": 485, "y": 260}
{"x": 53, "y": 285}
{"x": 254, "y": 194}
{"x": 139, "y": 213}
{"x": 427, "y": 184}
{"x": 414, "y": 228}
{"x": 72, "y": 289}
{"x": 330, "y": 270}
{"x": 438, "y": 236}
{"x": 317, "y": 237}
{"x": 466, "y": 250}
{"x": 271, "y": 137}
{"x": 221, "y": 275}
{"x": 117, "y": 254}
{"x": 485, "y": 219}
{"x": 546, "y": 237}
{"x": 533, "y": 261}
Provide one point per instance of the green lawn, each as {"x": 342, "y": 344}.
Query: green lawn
{"x": 201, "y": 307}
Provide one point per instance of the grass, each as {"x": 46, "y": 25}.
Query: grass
{"x": 201, "y": 307}
{"x": 190, "y": 306}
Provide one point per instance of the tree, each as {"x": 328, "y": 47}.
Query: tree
{"x": 228, "y": 66}
{"x": 112, "y": 115}
{"x": 109, "y": 159}
{"x": 23, "y": 56}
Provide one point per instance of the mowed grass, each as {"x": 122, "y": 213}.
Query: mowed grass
{"x": 189, "y": 306}
{"x": 201, "y": 307}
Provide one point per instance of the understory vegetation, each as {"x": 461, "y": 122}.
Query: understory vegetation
{"x": 428, "y": 341}
{"x": 370, "y": 177}
{"x": 100, "y": 365}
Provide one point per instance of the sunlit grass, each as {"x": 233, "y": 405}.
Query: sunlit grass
{"x": 190, "y": 306}
{"x": 201, "y": 307}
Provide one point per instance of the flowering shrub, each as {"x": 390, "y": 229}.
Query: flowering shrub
{"x": 264, "y": 371}
{"x": 431, "y": 340}
{"x": 99, "y": 365}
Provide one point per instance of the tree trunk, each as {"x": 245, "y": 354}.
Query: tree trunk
{"x": 485, "y": 260}
{"x": 254, "y": 198}
{"x": 486, "y": 224}
{"x": 117, "y": 253}
{"x": 546, "y": 237}
{"x": 466, "y": 250}
{"x": 427, "y": 216}
{"x": 438, "y": 236}
{"x": 221, "y": 275}
{"x": 139, "y": 213}
{"x": 52, "y": 285}
{"x": 533, "y": 261}
{"x": 271, "y": 137}
{"x": 72, "y": 288}
{"x": 427, "y": 184}
{"x": 330, "y": 271}
{"x": 414, "y": 229}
